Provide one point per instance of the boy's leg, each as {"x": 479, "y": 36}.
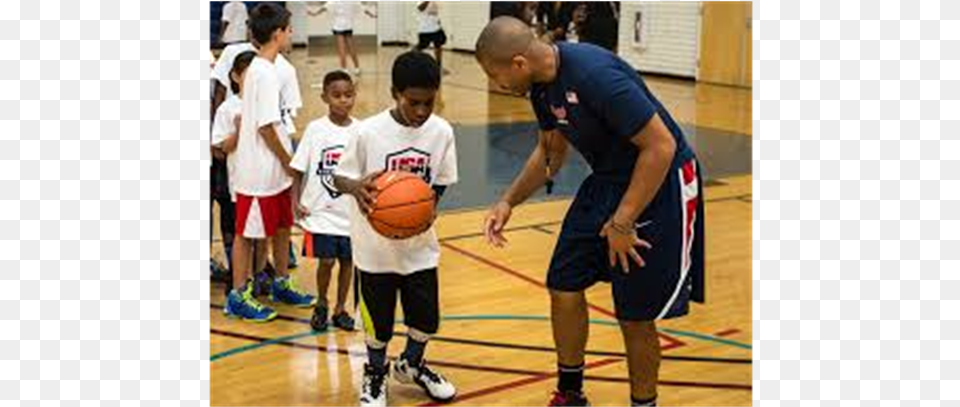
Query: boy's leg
{"x": 321, "y": 311}
{"x": 343, "y": 284}
{"x": 419, "y": 296}
{"x": 378, "y": 293}
{"x": 241, "y": 261}
{"x": 342, "y": 50}
{"x": 643, "y": 360}
{"x": 352, "y": 47}
{"x": 278, "y": 219}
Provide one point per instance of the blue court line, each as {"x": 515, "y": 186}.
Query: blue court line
{"x": 492, "y": 317}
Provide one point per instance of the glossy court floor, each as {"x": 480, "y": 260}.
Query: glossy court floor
{"x": 495, "y": 341}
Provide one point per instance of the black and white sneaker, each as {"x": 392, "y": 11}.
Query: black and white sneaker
{"x": 438, "y": 388}
{"x": 373, "y": 392}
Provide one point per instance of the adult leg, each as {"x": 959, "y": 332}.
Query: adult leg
{"x": 643, "y": 359}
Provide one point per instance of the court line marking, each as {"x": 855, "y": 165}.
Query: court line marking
{"x": 672, "y": 343}
{"x": 347, "y": 352}
{"x": 540, "y": 318}
{"x": 252, "y": 346}
{"x": 518, "y": 383}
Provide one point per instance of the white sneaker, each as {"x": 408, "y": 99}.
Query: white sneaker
{"x": 373, "y": 392}
{"x": 438, "y": 388}
{"x": 355, "y": 71}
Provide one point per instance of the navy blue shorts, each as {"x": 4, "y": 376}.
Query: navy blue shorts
{"x": 672, "y": 223}
{"x": 321, "y": 246}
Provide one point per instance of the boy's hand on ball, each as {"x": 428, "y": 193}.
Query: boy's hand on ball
{"x": 366, "y": 192}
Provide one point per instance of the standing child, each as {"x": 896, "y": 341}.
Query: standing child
{"x": 321, "y": 208}
{"x": 407, "y": 137}
{"x": 263, "y": 175}
{"x": 430, "y": 31}
{"x": 226, "y": 124}
{"x": 344, "y": 13}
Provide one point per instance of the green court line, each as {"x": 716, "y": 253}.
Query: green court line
{"x": 491, "y": 317}
{"x": 252, "y": 346}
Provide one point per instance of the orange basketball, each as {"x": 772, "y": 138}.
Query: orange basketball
{"x": 404, "y": 207}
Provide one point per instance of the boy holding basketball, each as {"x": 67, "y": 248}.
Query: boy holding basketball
{"x": 321, "y": 210}
{"x": 408, "y": 138}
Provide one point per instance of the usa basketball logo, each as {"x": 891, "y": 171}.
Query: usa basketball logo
{"x": 329, "y": 158}
{"x": 410, "y": 160}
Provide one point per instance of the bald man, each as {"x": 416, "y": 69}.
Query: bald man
{"x": 636, "y": 221}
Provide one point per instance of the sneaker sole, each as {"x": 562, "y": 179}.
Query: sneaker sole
{"x": 403, "y": 379}
{"x": 259, "y": 321}
{"x": 311, "y": 304}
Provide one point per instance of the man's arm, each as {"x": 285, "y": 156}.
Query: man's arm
{"x": 657, "y": 147}
{"x": 534, "y": 173}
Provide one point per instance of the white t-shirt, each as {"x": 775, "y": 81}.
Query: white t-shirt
{"x": 235, "y": 13}
{"x": 317, "y": 157}
{"x": 290, "y": 99}
{"x": 343, "y": 13}
{"x": 381, "y": 143}
{"x": 430, "y": 18}
{"x": 259, "y": 171}
{"x": 223, "y": 127}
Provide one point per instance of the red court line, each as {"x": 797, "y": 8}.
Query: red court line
{"x": 672, "y": 343}
{"x": 519, "y": 383}
{"x": 727, "y": 332}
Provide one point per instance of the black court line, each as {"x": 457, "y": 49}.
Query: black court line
{"x": 542, "y": 229}
{"x": 491, "y": 344}
{"x": 321, "y": 348}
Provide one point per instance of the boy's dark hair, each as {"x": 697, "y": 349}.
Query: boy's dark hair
{"x": 333, "y": 76}
{"x": 265, "y": 19}
{"x": 240, "y": 64}
{"x": 415, "y": 69}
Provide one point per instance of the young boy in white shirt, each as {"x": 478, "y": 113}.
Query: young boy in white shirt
{"x": 263, "y": 178}
{"x": 408, "y": 137}
{"x": 321, "y": 209}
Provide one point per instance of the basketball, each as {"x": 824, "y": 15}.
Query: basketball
{"x": 404, "y": 207}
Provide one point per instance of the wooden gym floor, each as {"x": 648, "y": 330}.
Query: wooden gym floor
{"x": 495, "y": 342}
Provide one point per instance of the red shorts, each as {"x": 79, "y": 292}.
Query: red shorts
{"x": 259, "y": 217}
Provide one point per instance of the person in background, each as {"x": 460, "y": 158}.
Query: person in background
{"x": 234, "y": 23}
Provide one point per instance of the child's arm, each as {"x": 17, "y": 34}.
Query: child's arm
{"x": 269, "y": 134}
{"x": 364, "y": 189}
{"x": 296, "y": 192}
{"x": 229, "y": 144}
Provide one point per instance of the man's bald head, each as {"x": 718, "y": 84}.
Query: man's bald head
{"x": 502, "y": 39}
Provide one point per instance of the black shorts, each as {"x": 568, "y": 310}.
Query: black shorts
{"x": 672, "y": 223}
{"x": 437, "y": 38}
{"x": 323, "y": 246}
{"x": 419, "y": 297}
{"x": 345, "y": 33}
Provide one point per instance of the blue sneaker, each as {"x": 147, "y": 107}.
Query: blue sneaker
{"x": 286, "y": 291}
{"x": 242, "y": 305}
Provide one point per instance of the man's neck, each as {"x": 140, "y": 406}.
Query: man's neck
{"x": 546, "y": 58}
